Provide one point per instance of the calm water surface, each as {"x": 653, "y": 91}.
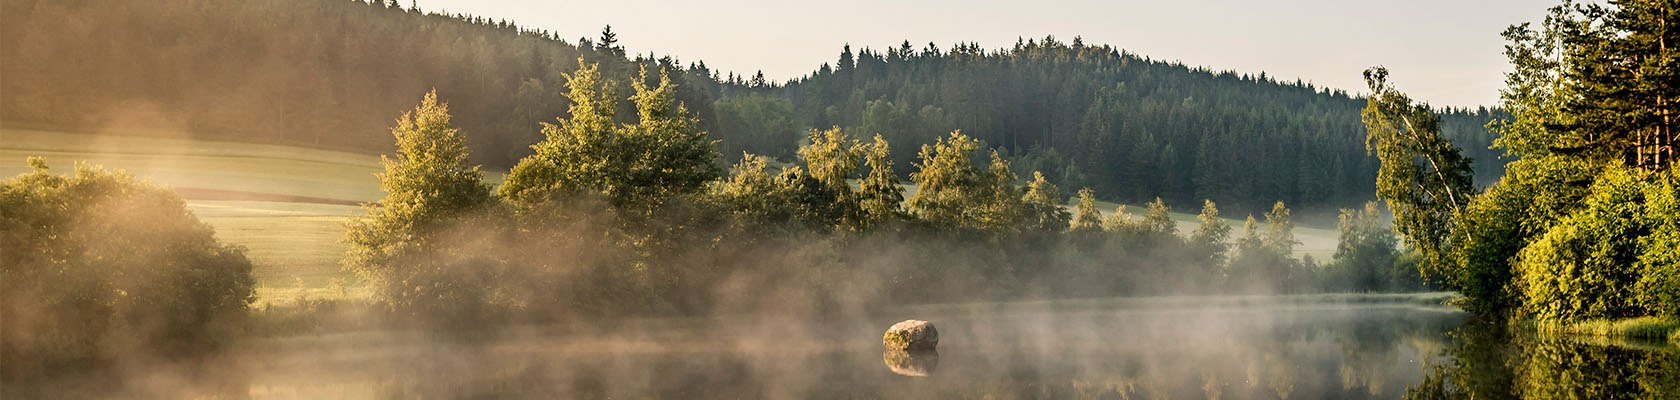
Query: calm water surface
{"x": 1126, "y": 349}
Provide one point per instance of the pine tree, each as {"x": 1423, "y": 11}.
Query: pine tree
{"x": 673, "y": 155}
{"x": 609, "y": 43}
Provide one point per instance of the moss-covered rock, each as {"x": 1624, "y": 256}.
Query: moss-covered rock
{"x": 911, "y": 334}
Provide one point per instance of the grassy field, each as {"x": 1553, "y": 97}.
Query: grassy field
{"x": 294, "y": 245}
{"x": 287, "y": 205}
{"x": 1318, "y": 242}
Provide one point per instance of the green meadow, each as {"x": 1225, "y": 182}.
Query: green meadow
{"x": 287, "y": 205}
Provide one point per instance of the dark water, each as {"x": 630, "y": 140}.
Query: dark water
{"x": 1178, "y": 349}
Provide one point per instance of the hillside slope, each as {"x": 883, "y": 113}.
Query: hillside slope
{"x": 333, "y": 74}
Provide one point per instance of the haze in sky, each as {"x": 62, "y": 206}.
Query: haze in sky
{"x": 1446, "y": 52}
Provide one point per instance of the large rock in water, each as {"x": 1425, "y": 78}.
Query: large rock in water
{"x": 911, "y": 334}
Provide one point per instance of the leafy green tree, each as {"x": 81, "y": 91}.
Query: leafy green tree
{"x": 1534, "y": 194}
{"x": 947, "y": 184}
{"x": 1157, "y": 220}
{"x": 880, "y": 198}
{"x": 832, "y": 157}
{"x": 1262, "y": 261}
{"x": 1579, "y": 268}
{"x": 752, "y": 194}
{"x": 1043, "y": 201}
{"x": 1000, "y": 204}
{"x": 1122, "y": 223}
{"x": 1422, "y": 175}
{"x": 787, "y": 199}
{"x": 1366, "y": 252}
{"x": 1251, "y": 241}
{"x": 638, "y": 166}
{"x": 102, "y": 267}
{"x": 1596, "y": 81}
{"x": 1086, "y": 217}
{"x": 1211, "y": 240}
{"x": 403, "y": 245}
{"x": 578, "y": 155}
{"x": 1280, "y": 231}
{"x": 1658, "y": 288}
{"x": 814, "y": 202}
{"x": 672, "y": 156}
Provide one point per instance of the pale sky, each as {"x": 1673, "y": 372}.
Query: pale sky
{"x": 1446, "y": 52}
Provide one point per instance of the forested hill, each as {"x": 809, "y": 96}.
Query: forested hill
{"x": 336, "y": 73}
{"x": 1127, "y": 126}
{"x": 321, "y": 73}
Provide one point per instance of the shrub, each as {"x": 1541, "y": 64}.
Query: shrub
{"x": 1582, "y": 267}
{"x": 1658, "y": 288}
{"x": 100, "y": 266}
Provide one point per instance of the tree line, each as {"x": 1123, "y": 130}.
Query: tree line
{"x": 609, "y": 218}
{"x": 327, "y": 73}
{"x": 1128, "y": 126}
{"x": 1583, "y": 225}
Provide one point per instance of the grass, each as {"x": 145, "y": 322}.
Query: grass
{"x": 189, "y": 163}
{"x": 1320, "y": 243}
{"x": 1646, "y": 328}
{"x": 1420, "y": 299}
{"x": 293, "y": 245}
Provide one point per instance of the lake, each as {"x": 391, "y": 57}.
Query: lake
{"x": 1305, "y": 347}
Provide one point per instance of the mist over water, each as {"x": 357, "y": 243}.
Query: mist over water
{"x": 1228, "y": 347}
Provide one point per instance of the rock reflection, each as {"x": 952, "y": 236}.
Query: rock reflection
{"x": 916, "y": 363}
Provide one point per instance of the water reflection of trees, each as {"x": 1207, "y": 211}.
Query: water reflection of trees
{"x": 1489, "y": 361}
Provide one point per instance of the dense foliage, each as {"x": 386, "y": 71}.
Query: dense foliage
{"x": 409, "y": 245}
{"x": 584, "y": 228}
{"x": 1367, "y": 256}
{"x": 100, "y": 267}
{"x": 1580, "y": 227}
{"x": 320, "y": 73}
{"x": 1130, "y": 127}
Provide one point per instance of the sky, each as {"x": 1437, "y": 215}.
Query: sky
{"x": 1445, "y": 52}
